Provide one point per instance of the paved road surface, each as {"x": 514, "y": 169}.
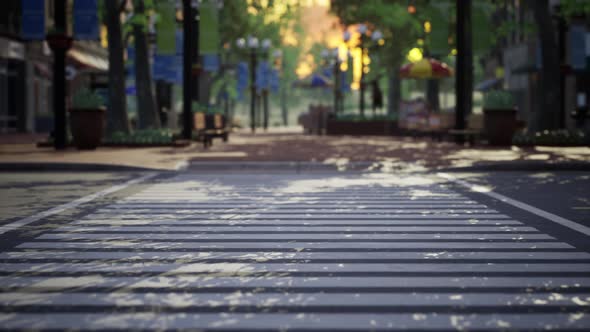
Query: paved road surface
{"x": 300, "y": 252}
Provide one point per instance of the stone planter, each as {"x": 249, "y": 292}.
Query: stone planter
{"x": 87, "y": 127}
{"x": 361, "y": 128}
{"x": 500, "y": 125}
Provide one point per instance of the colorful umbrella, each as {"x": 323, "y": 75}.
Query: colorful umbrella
{"x": 426, "y": 69}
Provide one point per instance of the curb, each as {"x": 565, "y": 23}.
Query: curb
{"x": 70, "y": 167}
{"x": 528, "y": 166}
{"x": 297, "y": 166}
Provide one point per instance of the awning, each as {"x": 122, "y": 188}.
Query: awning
{"x": 87, "y": 60}
{"x": 426, "y": 69}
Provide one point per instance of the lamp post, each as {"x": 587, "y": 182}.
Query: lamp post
{"x": 377, "y": 39}
{"x": 332, "y": 58}
{"x": 252, "y": 44}
{"x": 362, "y": 29}
{"x": 279, "y": 65}
{"x": 191, "y": 44}
{"x": 59, "y": 43}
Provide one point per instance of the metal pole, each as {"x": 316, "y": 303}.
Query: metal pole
{"x": 265, "y": 109}
{"x": 187, "y": 71}
{"x": 336, "y": 85}
{"x": 463, "y": 88}
{"x": 362, "y": 90}
{"x": 59, "y": 77}
{"x": 253, "y": 90}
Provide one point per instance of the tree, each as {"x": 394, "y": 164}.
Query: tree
{"x": 146, "y": 102}
{"x": 400, "y": 31}
{"x": 117, "y": 119}
{"x": 548, "y": 117}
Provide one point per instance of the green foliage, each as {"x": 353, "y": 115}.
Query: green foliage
{"x": 560, "y": 137}
{"x": 498, "y": 100}
{"x": 142, "y": 137}
{"x": 400, "y": 28}
{"x": 87, "y": 99}
{"x": 359, "y": 118}
{"x": 571, "y": 8}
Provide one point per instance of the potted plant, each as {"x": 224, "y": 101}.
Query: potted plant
{"x": 87, "y": 119}
{"x": 499, "y": 117}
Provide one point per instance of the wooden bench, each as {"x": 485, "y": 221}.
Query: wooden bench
{"x": 209, "y": 126}
{"x": 473, "y": 131}
{"x": 438, "y": 124}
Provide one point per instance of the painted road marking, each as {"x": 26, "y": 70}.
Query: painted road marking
{"x": 523, "y": 206}
{"x": 58, "y": 209}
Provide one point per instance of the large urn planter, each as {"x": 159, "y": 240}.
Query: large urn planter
{"x": 361, "y": 128}
{"x": 499, "y": 114}
{"x": 500, "y": 125}
{"x": 87, "y": 127}
{"x": 87, "y": 119}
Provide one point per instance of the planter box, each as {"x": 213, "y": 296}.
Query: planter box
{"x": 361, "y": 128}
{"x": 87, "y": 127}
{"x": 500, "y": 125}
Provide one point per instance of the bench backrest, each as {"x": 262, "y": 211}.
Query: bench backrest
{"x": 199, "y": 121}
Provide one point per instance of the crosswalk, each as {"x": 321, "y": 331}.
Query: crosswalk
{"x": 270, "y": 252}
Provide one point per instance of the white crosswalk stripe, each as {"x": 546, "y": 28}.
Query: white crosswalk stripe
{"x": 269, "y": 253}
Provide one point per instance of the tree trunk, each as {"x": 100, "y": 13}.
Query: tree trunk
{"x": 394, "y": 92}
{"x": 548, "y": 115}
{"x": 117, "y": 120}
{"x": 432, "y": 89}
{"x": 146, "y": 103}
{"x": 464, "y": 77}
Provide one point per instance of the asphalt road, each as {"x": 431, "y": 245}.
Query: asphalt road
{"x": 319, "y": 251}
{"x": 566, "y": 194}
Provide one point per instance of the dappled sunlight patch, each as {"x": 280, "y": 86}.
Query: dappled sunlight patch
{"x": 340, "y": 163}
{"x": 484, "y": 155}
{"x": 369, "y": 179}
{"x": 538, "y": 156}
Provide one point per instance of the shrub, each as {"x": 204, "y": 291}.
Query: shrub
{"x": 87, "y": 99}
{"x": 498, "y": 100}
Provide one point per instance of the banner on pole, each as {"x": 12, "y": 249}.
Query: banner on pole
{"x": 482, "y": 29}
{"x": 86, "y": 25}
{"x": 577, "y": 42}
{"x": 208, "y": 28}
{"x": 166, "y": 27}
{"x": 439, "y": 34}
{"x": 211, "y": 62}
{"x": 33, "y": 19}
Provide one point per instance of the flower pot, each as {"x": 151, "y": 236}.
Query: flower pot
{"x": 87, "y": 126}
{"x": 500, "y": 125}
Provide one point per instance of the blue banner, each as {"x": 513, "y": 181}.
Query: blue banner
{"x": 86, "y": 20}
{"x": 179, "y": 42}
{"x": 262, "y": 76}
{"x": 130, "y": 64}
{"x": 242, "y": 79}
{"x": 577, "y": 42}
{"x": 344, "y": 85}
{"x": 33, "y": 19}
{"x": 274, "y": 80}
{"x": 210, "y": 62}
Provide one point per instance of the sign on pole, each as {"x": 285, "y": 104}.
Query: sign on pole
{"x": 166, "y": 27}
{"x": 208, "y": 28}
{"x": 33, "y": 19}
{"x": 86, "y": 25}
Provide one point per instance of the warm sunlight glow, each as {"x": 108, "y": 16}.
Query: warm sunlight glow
{"x": 415, "y": 55}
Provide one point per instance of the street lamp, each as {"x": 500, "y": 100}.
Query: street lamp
{"x": 333, "y": 57}
{"x": 377, "y": 39}
{"x": 251, "y": 43}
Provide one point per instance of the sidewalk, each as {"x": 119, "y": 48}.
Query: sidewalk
{"x": 289, "y": 145}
